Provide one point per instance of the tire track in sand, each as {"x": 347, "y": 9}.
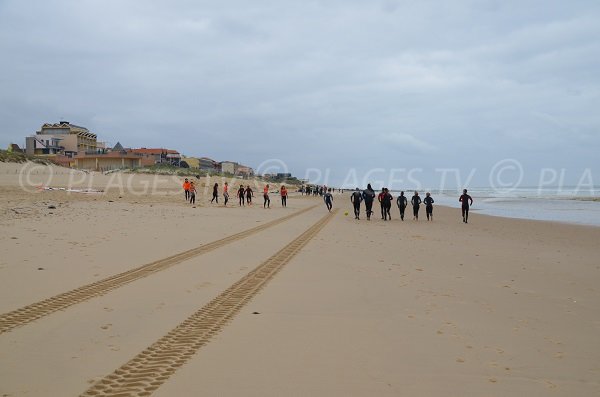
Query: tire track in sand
{"x": 147, "y": 371}
{"x": 34, "y": 311}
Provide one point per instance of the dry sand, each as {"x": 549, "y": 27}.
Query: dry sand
{"x": 494, "y": 308}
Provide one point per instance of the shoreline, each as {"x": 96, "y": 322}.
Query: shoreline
{"x": 558, "y": 222}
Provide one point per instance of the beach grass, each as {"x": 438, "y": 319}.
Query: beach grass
{"x": 7, "y": 156}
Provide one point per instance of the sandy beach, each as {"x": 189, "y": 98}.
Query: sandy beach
{"x": 337, "y": 307}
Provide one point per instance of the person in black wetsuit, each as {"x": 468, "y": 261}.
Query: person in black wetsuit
{"x": 402, "y": 203}
{"x": 356, "y": 198}
{"x": 248, "y": 195}
{"x": 416, "y": 202}
{"x": 380, "y": 199}
{"x": 428, "y": 201}
{"x": 368, "y": 197}
{"x": 241, "y": 193}
{"x": 465, "y": 199}
{"x": 215, "y": 193}
{"x": 328, "y": 198}
{"x": 386, "y": 204}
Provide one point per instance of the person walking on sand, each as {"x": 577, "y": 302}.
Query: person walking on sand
{"x": 226, "y": 193}
{"x": 328, "y": 198}
{"x": 192, "y": 189}
{"x": 428, "y": 201}
{"x": 368, "y": 197}
{"x": 386, "y": 202}
{"x": 284, "y": 193}
{"x": 380, "y": 198}
{"x": 416, "y": 203}
{"x": 215, "y": 193}
{"x": 241, "y": 196}
{"x": 465, "y": 199}
{"x": 356, "y": 198}
{"x": 248, "y": 195}
{"x": 402, "y": 203}
{"x": 186, "y": 189}
{"x": 267, "y": 202}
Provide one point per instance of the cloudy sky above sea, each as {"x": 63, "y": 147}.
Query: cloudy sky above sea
{"x": 401, "y": 92}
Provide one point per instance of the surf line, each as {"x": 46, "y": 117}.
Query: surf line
{"x": 147, "y": 371}
{"x": 34, "y": 311}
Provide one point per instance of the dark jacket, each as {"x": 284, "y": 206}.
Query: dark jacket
{"x": 368, "y": 195}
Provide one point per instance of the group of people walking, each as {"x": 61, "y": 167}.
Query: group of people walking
{"x": 385, "y": 200}
{"x": 244, "y": 194}
{"x": 190, "y": 191}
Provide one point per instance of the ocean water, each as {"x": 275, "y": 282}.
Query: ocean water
{"x": 549, "y": 204}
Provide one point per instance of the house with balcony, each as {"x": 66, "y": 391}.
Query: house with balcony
{"x": 62, "y": 138}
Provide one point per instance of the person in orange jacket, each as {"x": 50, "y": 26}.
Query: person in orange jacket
{"x": 186, "y": 189}
{"x": 284, "y": 193}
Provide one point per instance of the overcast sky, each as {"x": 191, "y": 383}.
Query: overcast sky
{"x": 318, "y": 84}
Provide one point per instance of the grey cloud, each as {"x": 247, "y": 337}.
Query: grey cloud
{"x": 376, "y": 83}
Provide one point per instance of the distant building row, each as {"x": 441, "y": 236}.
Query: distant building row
{"x": 75, "y": 146}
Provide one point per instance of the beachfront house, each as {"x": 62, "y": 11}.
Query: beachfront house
{"x": 229, "y": 167}
{"x": 107, "y": 161}
{"x": 244, "y": 171}
{"x": 208, "y": 164}
{"x": 154, "y": 156}
{"x": 62, "y": 138}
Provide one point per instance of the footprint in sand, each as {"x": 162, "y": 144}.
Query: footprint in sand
{"x": 550, "y": 385}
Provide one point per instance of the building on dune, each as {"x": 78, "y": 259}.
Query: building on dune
{"x": 71, "y": 145}
{"x": 208, "y": 164}
{"x": 245, "y": 171}
{"x": 154, "y": 156}
{"x": 107, "y": 161}
{"x": 62, "y": 138}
